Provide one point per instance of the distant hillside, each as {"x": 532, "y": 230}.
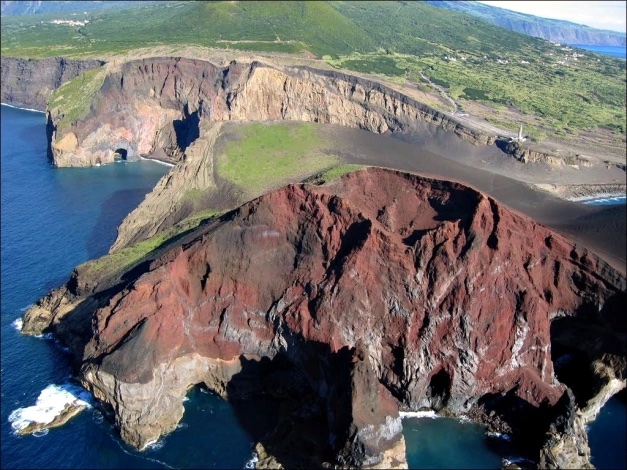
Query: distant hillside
{"x": 22, "y": 7}
{"x": 552, "y": 88}
{"x": 563, "y": 32}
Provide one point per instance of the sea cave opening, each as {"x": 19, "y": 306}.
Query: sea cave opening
{"x": 120, "y": 154}
{"x": 439, "y": 390}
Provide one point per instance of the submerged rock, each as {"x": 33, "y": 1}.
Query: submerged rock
{"x": 345, "y": 301}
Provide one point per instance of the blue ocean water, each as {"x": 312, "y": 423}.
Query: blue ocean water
{"x": 448, "y": 443}
{"x": 606, "y": 201}
{"x": 54, "y": 219}
{"x": 614, "y": 51}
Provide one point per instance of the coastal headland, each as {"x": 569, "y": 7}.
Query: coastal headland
{"x": 388, "y": 290}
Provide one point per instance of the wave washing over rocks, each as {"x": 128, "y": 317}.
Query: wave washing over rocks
{"x": 55, "y": 405}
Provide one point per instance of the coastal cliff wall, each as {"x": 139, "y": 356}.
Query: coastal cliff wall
{"x": 154, "y": 107}
{"x": 379, "y": 291}
{"x": 29, "y": 83}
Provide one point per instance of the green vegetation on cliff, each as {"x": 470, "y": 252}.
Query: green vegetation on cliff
{"x": 121, "y": 260}
{"x": 556, "y": 88}
{"x": 335, "y": 173}
{"x": 73, "y": 98}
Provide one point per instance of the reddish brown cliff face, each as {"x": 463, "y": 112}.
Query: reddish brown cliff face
{"x": 154, "y": 107}
{"x": 443, "y": 295}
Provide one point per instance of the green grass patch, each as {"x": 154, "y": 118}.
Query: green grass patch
{"x": 381, "y": 65}
{"x": 74, "y": 97}
{"x": 334, "y": 173}
{"x": 124, "y": 258}
{"x": 268, "y": 155}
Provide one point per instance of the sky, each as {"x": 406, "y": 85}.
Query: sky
{"x": 597, "y": 14}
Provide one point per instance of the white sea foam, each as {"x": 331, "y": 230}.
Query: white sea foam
{"x": 24, "y": 109}
{"x": 154, "y": 445}
{"x": 51, "y": 402}
{"x": 17, "y": 324}
{"x": 499, "y": 435}
{"x": 135, "y": 454}
{"x": 26, "y": 308}
{"x": 157, "y": 161}
{"x": 464, "y": 419}
{"x": 515, "y": 461}
{"x": 252, "y": 462}
{"x": 418, "y": 414}
{"x": 598, "y": 197}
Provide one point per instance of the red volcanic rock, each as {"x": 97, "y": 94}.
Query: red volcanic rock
{"x": 446, "y": 296}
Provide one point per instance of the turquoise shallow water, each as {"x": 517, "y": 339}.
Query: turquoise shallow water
{"x": 53, "y": 220}
{"x": 449, "y": 443}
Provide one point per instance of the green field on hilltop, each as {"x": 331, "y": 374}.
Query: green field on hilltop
{"x": 269, "y": 26}
{"x": 567, "y": 90}
{"x": 268, "y": 155}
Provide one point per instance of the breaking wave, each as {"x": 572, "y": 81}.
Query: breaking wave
{"x": 52, "y": 401}
{"x": 418, "y": 414}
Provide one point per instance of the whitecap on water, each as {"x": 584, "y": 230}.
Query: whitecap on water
{"x": 98, "y": 417}
{"x": 516, "y": 461}
{"x": 464, "y": 419}
{"x": 41, "y": 433}
{"x": 418, "y": 414}
{"x": 51, "y": 402}
{"x": 26, "y": 308}
{"x": 154, "y": 445}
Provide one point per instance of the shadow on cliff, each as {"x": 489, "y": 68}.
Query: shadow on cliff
{"x": 582, "y": 342}
{"x": 187, "y": 129}
{"x": 311, "y": 395}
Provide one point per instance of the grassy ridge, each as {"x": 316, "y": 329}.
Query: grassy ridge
{"x": 120, "y": 260}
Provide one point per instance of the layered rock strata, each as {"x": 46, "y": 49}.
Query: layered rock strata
{"x": 379, "y": 290}
{"x": 154, "y": 107}
{"x": 29, "y": 83}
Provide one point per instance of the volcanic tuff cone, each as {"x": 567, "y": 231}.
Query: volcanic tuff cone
{"x": 377, "y": 289}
